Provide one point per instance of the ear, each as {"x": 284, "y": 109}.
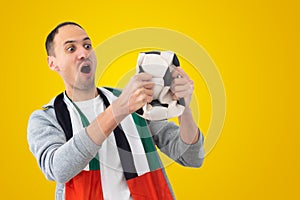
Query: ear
{"x": 52, "y": 63}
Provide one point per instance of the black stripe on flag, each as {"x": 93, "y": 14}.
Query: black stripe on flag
{"x": 63, "y": 116}
{"x": 125, "y": 154}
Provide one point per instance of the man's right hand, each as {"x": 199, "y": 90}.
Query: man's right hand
{"x": 137, "y": 92}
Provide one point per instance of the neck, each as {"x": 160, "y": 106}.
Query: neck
{"x": 76, "y": 94}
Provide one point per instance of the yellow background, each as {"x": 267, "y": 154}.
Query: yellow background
{"x": 255, "y": 45}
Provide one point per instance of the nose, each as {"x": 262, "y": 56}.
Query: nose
{"x": 82, "y": 54}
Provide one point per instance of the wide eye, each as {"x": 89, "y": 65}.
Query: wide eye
{"x": 87, "y": 46}
{"x": 71, "y": 49}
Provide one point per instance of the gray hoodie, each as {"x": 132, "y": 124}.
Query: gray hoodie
{"x": 61, "y": 160}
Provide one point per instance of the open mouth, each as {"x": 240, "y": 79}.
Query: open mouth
{"x": 85, "y": 69}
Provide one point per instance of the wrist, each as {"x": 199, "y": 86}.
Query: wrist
{"x": 119, "y": 110}
{"x": 100, "y": 128}
{"x": 187, "y": 110}
{"x": 187, "y": 114}
{"x": 187, "y": 101}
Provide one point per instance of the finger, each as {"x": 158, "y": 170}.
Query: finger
{"x": 136, "y": 83}
{"x": 144, "y": 76}
{"x": 148, "y": 85}
{"x": 179, "y": 81}
{"x": 136, "y": 101}
{"x": 142, "y": 100}
{"x": 181, "y": 88}
{"x": 181, "y": 94}
{"x": 175, "y": 73}
{"x": 149, "y": 99}
{"x": 144, "y": 95}
{"x": 138, "y": 92}
{"x": 143, "y": 91}
{"x": 174, "y": 97}
{"x": 182, "y": 73}
{"x": 176, "y": 82}
{"x": 148, "y": 92}
{"x": 178, "y": 73}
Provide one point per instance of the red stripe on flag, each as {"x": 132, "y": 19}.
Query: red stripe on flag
{"x": 150, "y": 186}
{"x": 85, "y": 185}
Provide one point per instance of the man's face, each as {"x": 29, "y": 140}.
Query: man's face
{"x": 74, "y": 58}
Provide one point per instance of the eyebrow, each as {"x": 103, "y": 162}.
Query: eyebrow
{"x": 72, "y": 41}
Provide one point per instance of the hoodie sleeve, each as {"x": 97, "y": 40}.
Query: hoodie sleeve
{"x": 167, "y": 138}
{"x": 59, "y": 160}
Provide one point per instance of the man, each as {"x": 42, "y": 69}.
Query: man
{"x": 90, "y": 141}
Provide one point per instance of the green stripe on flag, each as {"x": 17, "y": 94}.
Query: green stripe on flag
{"x": 94, "y": 163}
{"x": 150, "y": 150}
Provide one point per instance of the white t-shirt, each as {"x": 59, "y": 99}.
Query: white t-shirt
{"x": 114, "y": 185}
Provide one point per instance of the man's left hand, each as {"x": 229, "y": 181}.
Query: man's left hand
{"x": 182, "y": 86}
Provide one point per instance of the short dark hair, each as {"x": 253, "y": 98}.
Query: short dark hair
{"x": 50, "y": 37}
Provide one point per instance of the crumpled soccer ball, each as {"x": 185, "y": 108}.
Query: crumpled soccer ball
{"x": 160, "y": 65}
